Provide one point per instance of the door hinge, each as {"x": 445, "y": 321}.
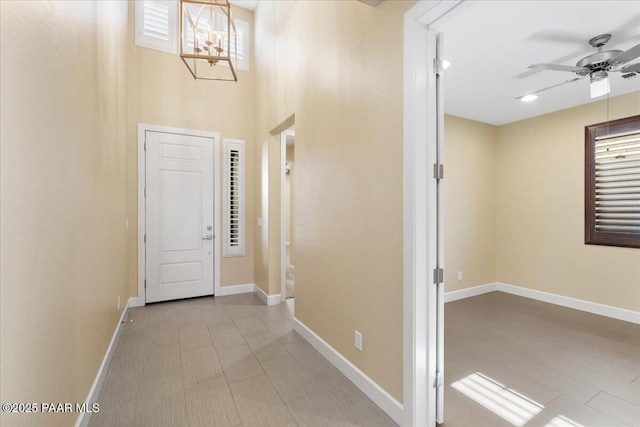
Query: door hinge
{"x": 145, "y": 283}
{"x": 145, "y": 146}
{"x": 145, "y": 191}
{"x": 438, "y": 66}
{"x": 438, "y": 382}
{"x": 438, "y": 171}
{"x": 438, "y": 275}
{"x": 145, "y": 239}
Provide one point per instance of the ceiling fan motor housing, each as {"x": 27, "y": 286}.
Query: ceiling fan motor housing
{"x": 599, "y": 61}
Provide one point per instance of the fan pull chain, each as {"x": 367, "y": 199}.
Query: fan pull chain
{"x": 607, "y": 114}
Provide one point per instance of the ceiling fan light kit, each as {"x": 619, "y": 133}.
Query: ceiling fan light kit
{"x": 599, "y": 84}
{"x": 597, "y": 67}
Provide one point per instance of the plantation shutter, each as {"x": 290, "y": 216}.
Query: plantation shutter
{"x": 157, "y": 25}
{"x": 234, "y": 198}
{"x": 614, "y": 178}
{"x": 241, "y": 44}
{"x": 156, "y": 20}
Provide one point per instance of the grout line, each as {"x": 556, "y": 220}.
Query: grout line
{"x": 233, "y": 397}
{"x": 604, "y": 413}
{"x": 593, "y": 397}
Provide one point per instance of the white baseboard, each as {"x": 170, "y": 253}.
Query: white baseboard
{"x": 136, "y": 302}
{"x": 577, "y": 304}
{"x": 83, "y": 418}
{"x": 469, "y": 292}
{"x": 267, "y": 299}
{"x": 236, "y": 289}
{"x": 380, "y": 397}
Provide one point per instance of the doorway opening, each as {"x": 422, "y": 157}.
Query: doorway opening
{"x": 284, "y": 135}
{"x": 287, "y": 268}
{"x": 491, "y": 149}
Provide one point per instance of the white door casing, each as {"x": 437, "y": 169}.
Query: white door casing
{"x": 178, "y": 171}
{"x": 423, "y": 253}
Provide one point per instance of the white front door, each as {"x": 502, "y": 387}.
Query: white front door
{"x": 179, "y": 216}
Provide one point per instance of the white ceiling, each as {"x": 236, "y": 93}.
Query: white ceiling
{"x": 251, "y": 4}
{"x": 246, "y": 4}
{"x": 491, "y": 43}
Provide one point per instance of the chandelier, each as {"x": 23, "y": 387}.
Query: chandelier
{"x": 208, "y": 45}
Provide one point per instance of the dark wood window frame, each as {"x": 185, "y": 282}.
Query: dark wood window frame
{"x": 622, "y": 237}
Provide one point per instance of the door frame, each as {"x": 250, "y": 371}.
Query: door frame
{"x": 283, "y": 231}
{"x": 142, "y": 213}
{"x": 420, "y": 212}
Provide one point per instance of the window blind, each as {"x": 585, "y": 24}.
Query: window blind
{"x": 234, "y": 198}
{"x": 156, "y": 20}
{"x": 156, "y": 25}
{"x": 617, "y": 180}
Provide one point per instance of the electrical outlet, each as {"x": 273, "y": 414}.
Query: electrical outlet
{"x": 459, "y": 275}
{"x": 118, "y": 303}
{"x": 358, "y": 340}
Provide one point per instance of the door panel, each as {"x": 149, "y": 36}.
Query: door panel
{"x": 181, "y": 213}
{"x": 179, "y": 216}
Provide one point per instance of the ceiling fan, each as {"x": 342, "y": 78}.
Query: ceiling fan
{"x": 596, "y": 66}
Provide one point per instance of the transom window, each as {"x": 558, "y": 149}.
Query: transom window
{"x": 157, "y": 28}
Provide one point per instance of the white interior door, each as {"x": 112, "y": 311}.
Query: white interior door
{"x": 179, "y": 216}
{"x": 439, "y": 175}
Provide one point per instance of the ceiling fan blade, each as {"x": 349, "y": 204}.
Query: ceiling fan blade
{"x": 631, "y": 68}
{"x": 551, "y": 87}
{"x": 557, "y": 67}
{"x": 627, "y": 55}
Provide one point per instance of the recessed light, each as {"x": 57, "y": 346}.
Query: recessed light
{"x": 445, "y": 64}
{"x": 529, "y": 98}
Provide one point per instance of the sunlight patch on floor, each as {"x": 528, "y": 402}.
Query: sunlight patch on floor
{"x": 562, "y": 421}
{"x": 502, "y": 401}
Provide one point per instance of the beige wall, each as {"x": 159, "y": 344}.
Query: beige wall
{"x": 63, "y": 197}
{"x": 541, "y": 210}
{"x": 162, "y": 92}
{"x": 514, "y": 208}
{"x": 470, "y": 203}
{"x": 322, "y": 61}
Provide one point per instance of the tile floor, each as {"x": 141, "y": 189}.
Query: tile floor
{"x": 538, "y": 364}
{"x": 226, "y": 361}
{"x": 232, "y": 361}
